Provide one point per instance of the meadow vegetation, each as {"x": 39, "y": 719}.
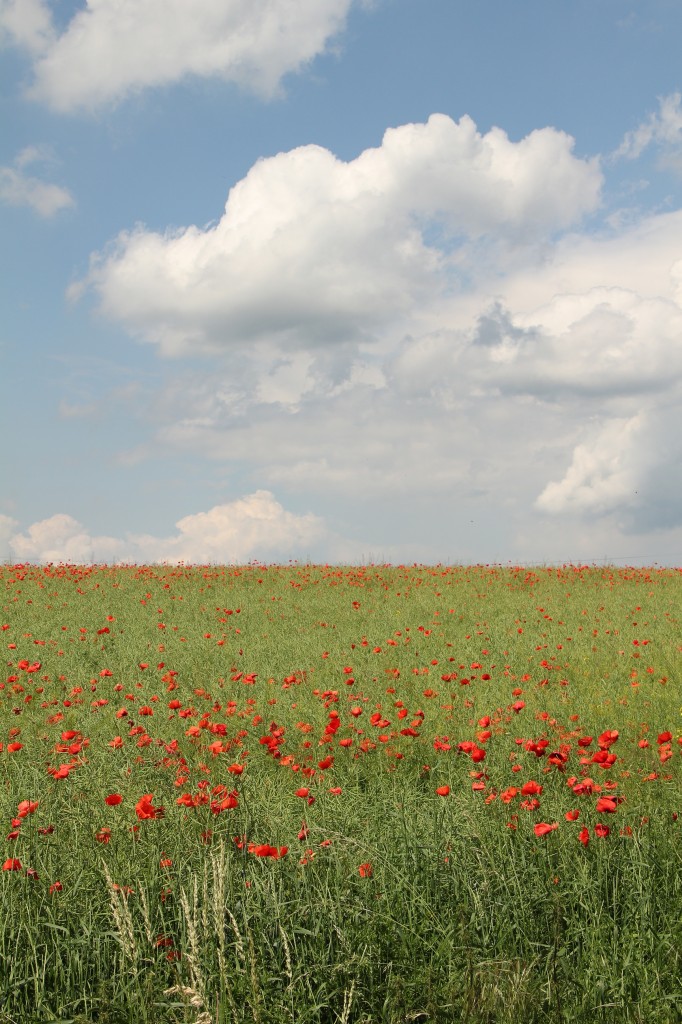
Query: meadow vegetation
{"x": 341, "y": 795}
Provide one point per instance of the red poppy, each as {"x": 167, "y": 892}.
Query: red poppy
{"x": 541, "y": 829}
{"x": 56, "y": 887}
{"x": 601, "y": 830}
{"x": 113, "y": 799}
{"x": 12, "y": 864}
{"x": 443, "y": 791}
{"x": 303, "y": 791}
{"x": 146, "y": 810}
{"x": 531, "y": 788}
{"x": 607, "y": 805}
{"x": 572, "y": 815}
{"x": 608, "y": 737}
{"x": 27, "y": 807}
{"x": 265, "y": 850}
{"x": 365, "y": 870}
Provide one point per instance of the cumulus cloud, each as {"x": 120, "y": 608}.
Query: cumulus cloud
{"x": 425, "y": 338}
{"x": 312, "y": 250}
{"x": 602, "y": 474}
{"x": 255, "y": 526}
{"x": 20, "y": 189}
{"x": 112, "y": 48}
{"x": 61, "y": 538}
{"x": 541, "y": 395}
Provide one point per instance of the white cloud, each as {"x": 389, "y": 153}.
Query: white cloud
{"x": 27, "y": 23}
{"x": 19, "y": 189}
{"x": 112, "y": 48}
{"x": 426, "y": 339}
{"x": 487, "y": 400}
{"x": 255, "y": 526}
{"x": 663, "y": 129}
{"x": 312, "y": 250}
{"x": 602, "y": 474}
{"x": 61, "y": 538}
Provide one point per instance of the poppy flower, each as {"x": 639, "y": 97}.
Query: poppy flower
{"x": 56, "y": 887}
{"x": 541, "y": 829}
{"x": 12, "y": 864}
{"x": 27, "y": 807}
{"x": 530, "y": 804}
{"x": 365, "y": 870}
{"x": 572, "y": 815}
{"x": 443, "y": 791}
{"x": 606, "y": 805}
{"x": 601, "y": 830}
{"x": 113, "y": 799}
{"x": 531, "y": 788}
{"x": 608, "y": 737}
{"x": 265, "y": 850}
{"x": 146, "y": 810}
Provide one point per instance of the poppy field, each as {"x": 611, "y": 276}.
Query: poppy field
{"x": 341, "y": 795}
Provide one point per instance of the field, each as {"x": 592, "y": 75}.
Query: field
{"x": 335, "y": 795}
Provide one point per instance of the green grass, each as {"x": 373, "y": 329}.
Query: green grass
{"x": 463, "y": 914}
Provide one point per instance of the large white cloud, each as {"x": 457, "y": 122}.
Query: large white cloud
{"x": 427, "y": 320}
{"x": 112, "y": 48}
{"x": 255, "y": 526}
{"x": 312, "y": 250}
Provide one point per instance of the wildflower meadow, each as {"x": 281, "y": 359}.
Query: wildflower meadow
{"x": 341, "y": 795}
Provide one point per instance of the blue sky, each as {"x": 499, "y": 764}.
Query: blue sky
{"x": 397, "y": 280}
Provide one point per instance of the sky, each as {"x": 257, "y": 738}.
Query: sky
{"x": 341, "y": 281}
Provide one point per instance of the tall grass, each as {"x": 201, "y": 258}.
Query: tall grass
{"x": 395, "y": 904}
